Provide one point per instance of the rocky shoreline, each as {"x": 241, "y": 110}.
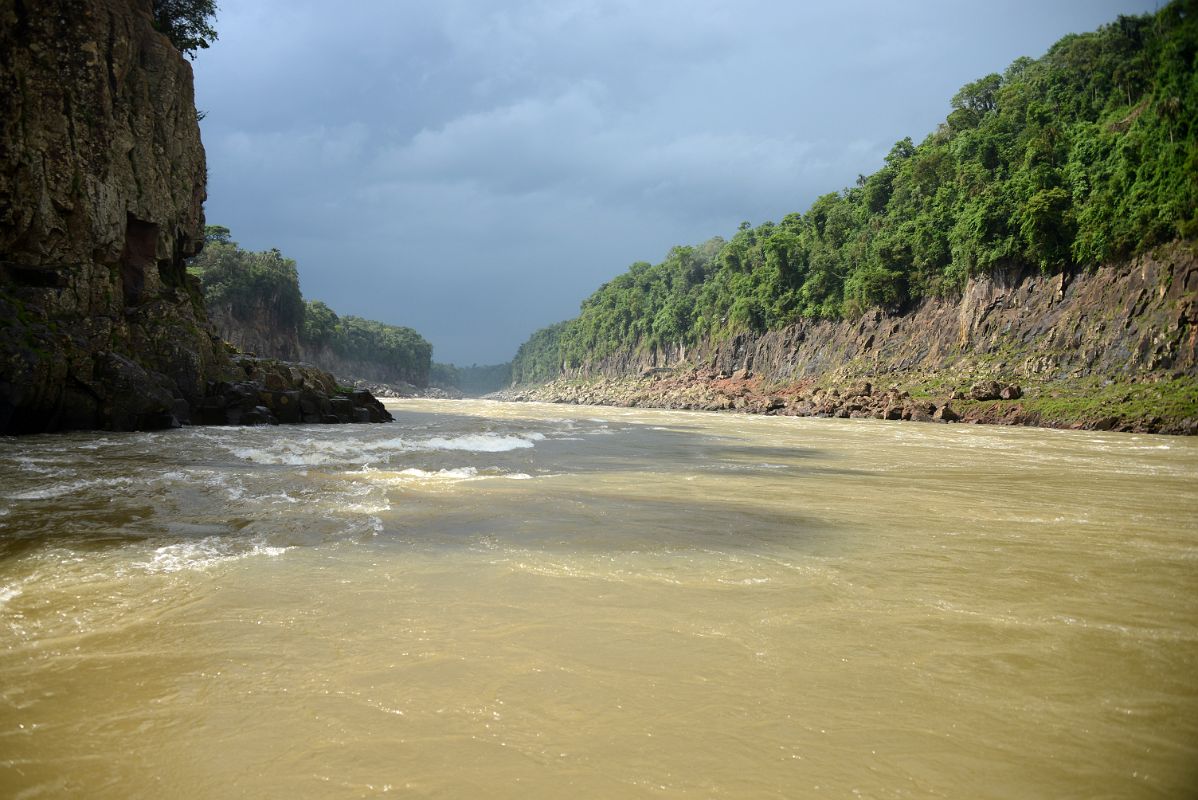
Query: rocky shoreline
{"x": 404, "y": 390}
{"x": 1137, "y": 409}
{"x": 274, "y": 392}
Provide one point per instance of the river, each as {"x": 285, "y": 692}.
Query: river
{"x": 523, "y": 600}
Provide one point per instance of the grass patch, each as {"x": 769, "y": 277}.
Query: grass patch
{"x": 1091, "y": 400}
{"x": 1173, "y": 399}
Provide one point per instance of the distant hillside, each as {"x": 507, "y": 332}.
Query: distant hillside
{"x": 1084, "y": 157}
{"x": 255, "y": 303}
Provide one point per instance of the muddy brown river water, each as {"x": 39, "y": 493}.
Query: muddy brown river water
{"x": 500, "y": 600}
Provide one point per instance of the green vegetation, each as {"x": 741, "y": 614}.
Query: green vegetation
{"x": 187, "y": 23}
{"x": 1086, "y": 155}
{"x": 1092, "y": 400}
{"x": 539, "y": 359}
{"x": 264, "y": 287}
{"x": 405, "y": 353}
{"x": 248, "y": 284}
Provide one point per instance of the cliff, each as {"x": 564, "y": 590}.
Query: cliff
{"x": 1042, "y": 232}
{"x": 1116, "y": 348}
{"x": 261, "y": 327}
{"x": 103, "y": 184}
{"x": 362, "y": 369}
{"x": 1135, "y": 319}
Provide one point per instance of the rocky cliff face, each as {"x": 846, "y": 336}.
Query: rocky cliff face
{"x": 262, "y": 332}
{"x": 351, "y": 369}
{"x": 102, "y": 182}
{"x": 1132, "y": 320}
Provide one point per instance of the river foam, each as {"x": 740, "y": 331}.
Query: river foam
{"x": 314, "y": 451}
{"x": 481, "y": 443}
{"x": 203, "y": 554}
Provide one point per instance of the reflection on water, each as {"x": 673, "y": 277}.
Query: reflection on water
{"x": 524, "y": 600}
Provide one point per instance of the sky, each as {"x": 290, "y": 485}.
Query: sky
{"x": 475, "y": 169}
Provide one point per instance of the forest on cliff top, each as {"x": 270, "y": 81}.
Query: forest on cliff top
{"x": 1082, "y": 157}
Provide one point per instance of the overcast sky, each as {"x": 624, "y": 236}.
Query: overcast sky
{"x": 475, "y": 169}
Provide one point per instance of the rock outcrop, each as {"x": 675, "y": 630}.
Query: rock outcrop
{"x": 267, "y": 392}
{"x": 353, "y": 369}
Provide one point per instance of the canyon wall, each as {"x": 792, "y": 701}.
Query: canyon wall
{"x": 1131, "y": 320}
{"x": 102, "y": 187}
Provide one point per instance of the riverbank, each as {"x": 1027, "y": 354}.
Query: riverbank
{"x": 1152, "y": 404}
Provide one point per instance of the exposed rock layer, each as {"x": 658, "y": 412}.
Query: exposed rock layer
{"x": 264, "y": 333}
{"x": 1134, "y": 319}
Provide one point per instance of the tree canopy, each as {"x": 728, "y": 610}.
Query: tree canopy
{"x": 1082, "y": 157}
{"x": 187, "y": 23}
{"x": 248, "y": 283}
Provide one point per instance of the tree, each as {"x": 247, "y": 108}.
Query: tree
{"x": 320, "y": 323}
{"x": 981, "y": 96}
{"x": 187, "y": 23}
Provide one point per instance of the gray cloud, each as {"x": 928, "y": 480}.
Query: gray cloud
{"x": 474, "y": 170}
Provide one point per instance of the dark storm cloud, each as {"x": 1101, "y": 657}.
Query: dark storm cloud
{"x": 475, "y": 169}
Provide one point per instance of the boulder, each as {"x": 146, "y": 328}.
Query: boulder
{"x": 946, "y": 414}
{"x": 258, "y": 415}
{"x": 919, "y": 410}
{"x": 986, "y": 390}
{"x": 286, "y": 406}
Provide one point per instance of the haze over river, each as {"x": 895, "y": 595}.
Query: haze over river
{"x": 499, "y": 600}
